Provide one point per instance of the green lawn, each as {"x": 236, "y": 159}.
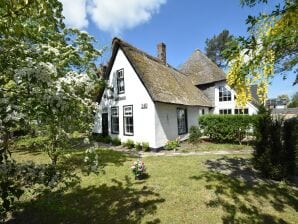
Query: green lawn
{"x": 189, "y": 189}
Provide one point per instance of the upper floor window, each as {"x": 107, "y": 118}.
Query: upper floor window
{"x": 182, "y": 121}
{"x": 224, "y": 94}
{"x": 241, "y": 111}
{"x": 115, "y": 120}
{"x": 120, "y": 81}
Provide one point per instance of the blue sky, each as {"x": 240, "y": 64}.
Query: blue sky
{"x": 182, "y": 25}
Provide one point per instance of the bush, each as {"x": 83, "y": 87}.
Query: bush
{"x": 194, "y": 134}
{"x": 116, "y": 141}
{"x": 138, "y": 146}
{"x": 172, "y": 145}
{"x": 129, "y": 144}
{"x": 275, "y": 146}
{"x": 101, "y": 138}
{"x": 145, "y": 146}
{"x": 227, "y": 128}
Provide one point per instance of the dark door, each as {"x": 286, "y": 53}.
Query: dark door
{"x": 105, "y": 124}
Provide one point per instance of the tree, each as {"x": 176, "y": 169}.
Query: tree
{"x": 271, "y": 47}
{"x": 216, "y": 45}
{"x": 294, "y": 101}
{"x": 47, "y": 77}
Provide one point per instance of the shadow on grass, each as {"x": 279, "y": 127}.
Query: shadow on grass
{"x": 119, "y": 203}
{"x": 242, "y": 195}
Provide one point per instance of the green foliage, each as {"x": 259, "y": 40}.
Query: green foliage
{"x": 216, "y": 45}
{"x": 138, "y": 146}
{"x": 145, "y": 146}
{"x": 294, "y": 101}
{"x": 129, "y": 144}
{"x": 226, "y": 128}
{"x": 102, "y": 138}
{"x": 116, "y": 141}
{"x": 172, "y": 145}
{"x": 275, "y": 146}
{"x": 194, "y": 134}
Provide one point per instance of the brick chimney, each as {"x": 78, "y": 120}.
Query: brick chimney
{"x": 161, "y": 52}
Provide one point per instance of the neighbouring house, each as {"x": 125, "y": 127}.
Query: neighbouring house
{"x": 279, "y": 103}
{"x": 148, "y": 100}
{"x": 284, "y": 113}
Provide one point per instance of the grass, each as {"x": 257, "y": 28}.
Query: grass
{"x": 192, "y": 189}
{"x": 209, "y": 146}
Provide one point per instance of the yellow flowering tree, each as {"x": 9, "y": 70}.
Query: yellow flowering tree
{"x": 270, "y": 48}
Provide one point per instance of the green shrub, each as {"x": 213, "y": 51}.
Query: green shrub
{"x": 194, "y": 134}
{"x": 172, "y": 144}
{"x": 227, "y": 128}
{"x": 129, "y": 144}
{"x": 116, "y": 141}
{"x": 275, "y": 146}
{"x": 138, "y": 146}
{"x": 101, "y": 138}
{"x": 145, "y": 146}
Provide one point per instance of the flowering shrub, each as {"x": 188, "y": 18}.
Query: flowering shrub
{"x": 138, "y": 169}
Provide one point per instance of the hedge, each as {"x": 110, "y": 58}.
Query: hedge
{"x": 227, "y": 128}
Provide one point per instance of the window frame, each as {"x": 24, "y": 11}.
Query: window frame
{"x": 124, "y": 121}
{"x": 185, "y": 120}
{"x": 225, "y": 111}
{"x": 241, "y": 111}
{"x": 112, "y": 119}
{"x": 120, "y": 71}
{"x": 224, "y": 95}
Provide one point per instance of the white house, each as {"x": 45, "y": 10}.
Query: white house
{"x": 147, "y": 100}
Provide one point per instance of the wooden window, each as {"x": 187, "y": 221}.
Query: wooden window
{"x": 115, "y": 120}
{"x": 225, "y": 111}
{"x": 120, "y": 81}
{"x": 224, "y": 94}
{"x": 182, "y": 121}
{"x": 128, "y": 120}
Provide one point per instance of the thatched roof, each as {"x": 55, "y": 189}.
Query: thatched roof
{"x": 201, "y": 69}
{"x": 163, "y": 82}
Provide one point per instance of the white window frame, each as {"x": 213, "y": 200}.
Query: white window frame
{"x": 224, "y": 94}
{"x": 241, "y": 111}
{"x": 225, "y": 111}
{"x": 128, "y": 124}
{"x": 182, "y": 121}
{"x": 120, "y": 79}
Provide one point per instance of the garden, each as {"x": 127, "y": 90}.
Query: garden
{"x": 177, "y": 189}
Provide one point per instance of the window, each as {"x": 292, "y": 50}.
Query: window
{"x": 115, "y": 120}
{"x": 120, "y": 81}
{"x": 241, "y": 111}
{"x": 224, "y": 94}
{"x": 203, "y": 111}
{"x": 225, "y": 111}
{"x": 182, "y": 121}
{"x": 128, "y": 120}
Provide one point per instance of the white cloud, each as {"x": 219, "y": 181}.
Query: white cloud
{"x": 112, "y": 16}
{"x": 75, "y": 13}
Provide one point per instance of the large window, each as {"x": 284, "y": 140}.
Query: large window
{"x": 115, "y": 120}
{"x": 120, "y": 81}
{"x": 224, "y": 94}
{"x": 182, "y": 121}
{"x": 225, "y": 111}
{"x": 128, "y": 120}
{"x": 241, "y": 111}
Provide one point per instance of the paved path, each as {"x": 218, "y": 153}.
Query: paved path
{"x": 215, "y": 152}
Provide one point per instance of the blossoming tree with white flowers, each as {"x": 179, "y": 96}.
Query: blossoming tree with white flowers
{"x": 47, "y": 77}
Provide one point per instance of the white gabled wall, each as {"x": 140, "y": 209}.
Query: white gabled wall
{"x": 229, "y": 104}
{"x": 136, "y": 95}
{"x": 166, "y": 124}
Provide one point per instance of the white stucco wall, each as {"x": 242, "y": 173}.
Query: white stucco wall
{"x": 229, "y": 104}
{"x": 166, "y": 124}
{"x": 136, "y": 95}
